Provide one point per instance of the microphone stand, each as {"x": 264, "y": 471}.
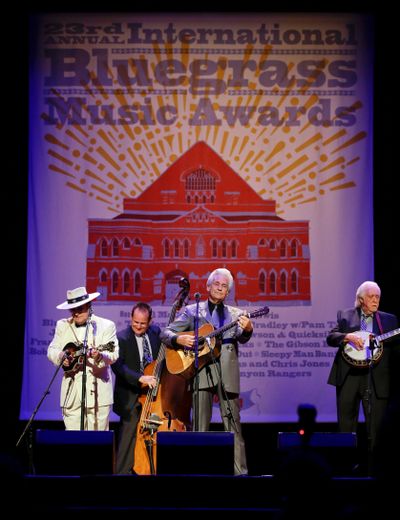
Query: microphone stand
{"x": 28, "y": 425}
{"x": 228, "y": 411}
{"x": 369, "y": 404}
{"x": 196, "y": 366}
{"x": 84, "y": 364}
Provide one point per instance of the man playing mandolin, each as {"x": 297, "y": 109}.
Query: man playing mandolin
{"x": 222, "y": 376}
{"x": 84, "y": 343}
{"x": 360, "y": 370}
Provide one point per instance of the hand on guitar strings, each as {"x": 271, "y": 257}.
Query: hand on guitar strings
{"x": 186, "y": 340}
{"x": 245, "y": 323}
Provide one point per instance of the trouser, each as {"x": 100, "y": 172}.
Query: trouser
{"x": 95, "y": 418}
{"x": 356, "y": 390}
{"x": 230, "y": 414}
{"x": 127, "y": 429}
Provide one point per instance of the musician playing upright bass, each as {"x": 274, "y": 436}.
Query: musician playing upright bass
{"x": 139, "y": 344}
{"x": 221, "y": 377}
{"x": 367, "y": 383}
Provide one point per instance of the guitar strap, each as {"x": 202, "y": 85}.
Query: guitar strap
{"x": 378, "y": 320}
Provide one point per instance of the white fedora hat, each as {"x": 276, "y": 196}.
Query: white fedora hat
{"x": 77, "y": 297}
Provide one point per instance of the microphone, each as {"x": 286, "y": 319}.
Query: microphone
{"x": 90, "y": 314}
{"x": 197, "y": 296}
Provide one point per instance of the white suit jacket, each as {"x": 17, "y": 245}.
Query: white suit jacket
{"x": 99, "y": 384}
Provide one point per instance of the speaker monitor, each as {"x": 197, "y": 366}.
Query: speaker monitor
{"x": 74, "y": 452}
{"x": 195, "y": 453}
{"x": 339, "y": 450}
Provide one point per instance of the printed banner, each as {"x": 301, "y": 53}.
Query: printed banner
{"x": 163, "y": 146}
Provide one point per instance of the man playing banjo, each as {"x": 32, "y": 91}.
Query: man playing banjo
{"x": 360, "y": 370}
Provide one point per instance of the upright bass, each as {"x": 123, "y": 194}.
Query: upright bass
{"x": 164, "y": 407}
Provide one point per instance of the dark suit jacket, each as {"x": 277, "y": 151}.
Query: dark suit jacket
{"x": 127, "y": 369}
{"x": 349, "y": 321}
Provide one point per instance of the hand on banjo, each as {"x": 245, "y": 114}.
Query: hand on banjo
{"x": 356, "y": 340}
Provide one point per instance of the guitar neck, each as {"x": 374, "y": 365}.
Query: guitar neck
{"x": 387, "y": 335}
{"x": 221, "y": 330}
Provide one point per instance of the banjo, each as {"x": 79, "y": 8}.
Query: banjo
{"x": 362, "y": 358}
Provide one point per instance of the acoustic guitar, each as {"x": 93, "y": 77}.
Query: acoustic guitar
{"x": 74, "y": 352}
{"x": 181, "y": 360}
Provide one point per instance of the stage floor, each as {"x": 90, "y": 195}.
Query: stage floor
{"x": 298, "y": 493}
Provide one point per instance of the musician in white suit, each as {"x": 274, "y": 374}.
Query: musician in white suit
{"x": 84, "y": 331}
{"x": 357, "y": 382}
{"x": 222, "y": 377}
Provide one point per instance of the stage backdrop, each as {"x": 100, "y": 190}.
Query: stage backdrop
{"x": 166, "y": 145}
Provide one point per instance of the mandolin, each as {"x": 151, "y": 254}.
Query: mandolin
{"x": 74, "y": 352}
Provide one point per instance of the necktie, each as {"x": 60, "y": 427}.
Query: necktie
{"x": 218, "y": 316}
{"x": 147, "y": 357}
{"x": 364, "y": 324}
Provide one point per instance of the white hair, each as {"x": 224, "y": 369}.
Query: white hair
{"x": 364, "y": 287}
{"x": 221, "y": 271}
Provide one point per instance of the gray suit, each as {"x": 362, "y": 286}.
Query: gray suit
{"x": 225, "y": 368}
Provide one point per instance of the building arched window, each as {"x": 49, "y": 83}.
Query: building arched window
{"x": 103, "y": 277}
{"x": 223, "y": 249}
{"x": 283, "y": 282}
{"x": 272, "y": 283}
{"x": 103, "y": 247}
{"x": 294, "y": 282}
{"x": 166, "y": 248}
{"x": 137, "y": 283}
{"x": 293, "y": 248}
{"x": 125, "y": 243}
{"x": 272, "y": 244}
{"x": 114, "y": 282}
{"x": 283, "y": 249}
{"x": 126, "y": 282}
{"x": 186, "y": 248}
{"x": 234, "y": 248}
{"x": 176, "y": 248}
{"x": 200, "y": 247}
{"x": 214, "y": 248}
{"x": 114, "y": 247}
{"x": 262, "y": 282}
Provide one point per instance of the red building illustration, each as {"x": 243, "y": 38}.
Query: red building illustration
{"x": 197, "y": 216}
